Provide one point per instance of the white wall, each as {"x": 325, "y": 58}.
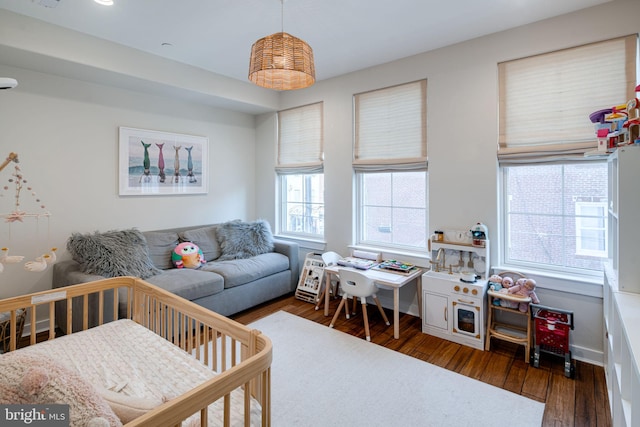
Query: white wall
{"x": 462, "y": 106}
{"x": 66, "y": 134}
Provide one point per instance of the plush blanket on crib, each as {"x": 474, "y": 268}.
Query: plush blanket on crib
{"x": 135, "y": 370}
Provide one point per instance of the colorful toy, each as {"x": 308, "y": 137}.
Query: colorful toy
{"x": 525, "y": 288}
{"x": 495, "y": 284}
{"x": 187, "y": 255}
{"x": 507, "y": 283}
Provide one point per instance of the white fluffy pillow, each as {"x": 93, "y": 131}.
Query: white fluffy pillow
{"x": 37, "y": 380}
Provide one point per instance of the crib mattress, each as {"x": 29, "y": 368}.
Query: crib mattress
{"x": 126, "y": 357}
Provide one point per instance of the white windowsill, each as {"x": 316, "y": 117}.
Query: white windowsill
{"x": 304, "y": 242}
{"x": 580, "y": 285}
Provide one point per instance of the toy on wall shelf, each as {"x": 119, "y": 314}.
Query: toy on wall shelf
{"x": 617, "y": 126}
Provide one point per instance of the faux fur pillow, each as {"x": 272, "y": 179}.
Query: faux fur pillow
{"x": 244, "y": 239}
{"x": 113, "y": 253}
{"x": 39, "y": 380}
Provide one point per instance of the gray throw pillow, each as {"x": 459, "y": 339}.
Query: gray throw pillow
{"x": 244, "y": 239}
{"x": 161, "y": 244}
{"x": 206, "y": 238}
{"x": 112, "y": 254}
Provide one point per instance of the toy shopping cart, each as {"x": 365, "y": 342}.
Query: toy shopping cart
{"x": 551, "y": 335}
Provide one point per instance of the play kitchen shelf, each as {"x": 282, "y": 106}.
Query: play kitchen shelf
{"x": 474, "y": 258}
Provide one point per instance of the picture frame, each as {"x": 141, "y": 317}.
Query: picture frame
{"x": 155, "y": 163}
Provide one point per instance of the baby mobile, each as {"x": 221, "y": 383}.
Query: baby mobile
{"x": 18, "y": 182}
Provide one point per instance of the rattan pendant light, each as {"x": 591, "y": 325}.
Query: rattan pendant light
{"x": 281, "y": 61}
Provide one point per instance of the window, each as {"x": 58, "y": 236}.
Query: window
{"x": 554, "y": 190}
{"x": 390, "y": 161}
{"x": 393, "y": 208}
{"x": 555, "y": 216}
{"x": 302, "y": 203}
{"x": 591, "y": 229}
{"x": 300, "y": 171}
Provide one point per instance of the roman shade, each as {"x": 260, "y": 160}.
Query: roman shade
{"x": 545, "y": 100}
{"x": 300, "y": 140}
{"x": 390, "y": 128}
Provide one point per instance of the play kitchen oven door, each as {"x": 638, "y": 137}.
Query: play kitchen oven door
{"x": 467, "y": 315}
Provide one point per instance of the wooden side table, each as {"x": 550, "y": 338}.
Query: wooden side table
{"x": 5, "y": 328}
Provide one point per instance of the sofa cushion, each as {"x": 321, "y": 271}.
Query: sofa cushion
{"x": 239, "y": 240}
{"x": 240, "y": 271}
{"x": 187, "y": 283}
{"x": 161, "y": 244}
{"x": 206, "y": 239}
{"x": 112, "y": 254}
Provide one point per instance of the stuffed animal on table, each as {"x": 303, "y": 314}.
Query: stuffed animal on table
{"x": 495, "y": 284}
{"x": 187, "y": 255}
{"x": 525, "y": 288}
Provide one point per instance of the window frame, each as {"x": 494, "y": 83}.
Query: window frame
{"x": 283, "y": 215}
{"x": 580, "y": 217}
{"x": 303, "y": 158}
{"x": 556, "y": 135}
{"x": 360, "y": 222}
{"x": 505, "y": 225}
{"x": 375, "y": 124}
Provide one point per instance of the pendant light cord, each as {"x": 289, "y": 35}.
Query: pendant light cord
{"x": 282, "y": 16}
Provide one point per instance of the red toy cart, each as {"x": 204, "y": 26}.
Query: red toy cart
{"x": 551, "y": 335}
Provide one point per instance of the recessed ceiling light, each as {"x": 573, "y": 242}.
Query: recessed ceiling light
{"x": 104, "y": 2}
{"x": 8, "y": 83}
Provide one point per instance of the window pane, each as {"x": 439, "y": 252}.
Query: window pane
{"x": 556, "y": 216}
{"x": 393, "y": 209}
{"x": 302, "y": 204}
{"x": 536, "y": 189}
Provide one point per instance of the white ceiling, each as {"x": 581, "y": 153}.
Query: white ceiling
{"x": 346, "y": 35}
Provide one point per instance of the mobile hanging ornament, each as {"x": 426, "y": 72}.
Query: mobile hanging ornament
{"x": 19, "y": 183}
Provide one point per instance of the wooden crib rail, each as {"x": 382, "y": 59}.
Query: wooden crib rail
{"x": 241, "y": 356}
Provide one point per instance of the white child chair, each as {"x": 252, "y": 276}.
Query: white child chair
{"x": 357, "y": 285}
{"x": 328, "y": 258}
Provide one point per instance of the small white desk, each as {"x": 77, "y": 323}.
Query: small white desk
{"x": 386, "y": 280}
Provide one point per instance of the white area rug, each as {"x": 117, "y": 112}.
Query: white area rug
{"x": 323, "y": 377}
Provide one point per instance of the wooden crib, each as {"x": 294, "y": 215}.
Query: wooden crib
{"x": 239, "y": 356}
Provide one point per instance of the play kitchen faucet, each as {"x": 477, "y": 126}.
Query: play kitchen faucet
{"x": 440, "y": 260}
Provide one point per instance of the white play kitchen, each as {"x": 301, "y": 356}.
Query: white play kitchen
{"x": 454, "y": 289}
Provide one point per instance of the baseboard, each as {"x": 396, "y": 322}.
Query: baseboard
{"x": 587, "y": 355}
{"x": 41, "y": 326}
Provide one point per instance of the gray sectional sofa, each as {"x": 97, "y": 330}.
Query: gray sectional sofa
{"x": 244, "y": 266}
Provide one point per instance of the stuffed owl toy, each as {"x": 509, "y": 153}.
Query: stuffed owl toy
{"x": 187, "y": 255}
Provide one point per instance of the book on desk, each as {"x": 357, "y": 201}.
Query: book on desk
{"x": 391, "y": 265}
{"x": 359, "y": 263}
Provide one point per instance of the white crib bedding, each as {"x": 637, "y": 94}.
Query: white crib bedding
{"x": 127, "y": 358}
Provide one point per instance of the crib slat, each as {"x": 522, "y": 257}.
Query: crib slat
{"x": 227, "y": 410}
{"x": 85, "y": 312}
{"x": 100, "y": 307}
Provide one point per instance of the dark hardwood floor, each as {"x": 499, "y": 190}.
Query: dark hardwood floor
{"x": 581, "y": 401}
